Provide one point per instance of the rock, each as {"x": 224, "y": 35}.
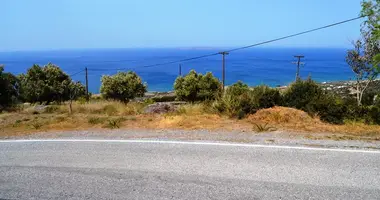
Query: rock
{"x": 158, "y": 108}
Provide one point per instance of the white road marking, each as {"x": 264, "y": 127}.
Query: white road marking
{"x": 191, "y": 143}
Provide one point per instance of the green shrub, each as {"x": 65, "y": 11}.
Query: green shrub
{"x": 374, "y": 115}
{"x": 329, "y": 108}
{"x": 237, "y": 89}
{"x": 197, "y": 87}
{"x": 266, "y": 97}
{"x": 301, "y": 93}
{"x": 239, "y": 100}
{"x": 122, "y": 86}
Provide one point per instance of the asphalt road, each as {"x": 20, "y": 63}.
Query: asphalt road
{"x": 130, "y": 170}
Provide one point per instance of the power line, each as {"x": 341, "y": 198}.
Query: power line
{"x": 235, "y": 49}
{"x": 76, "y": 73}
{"x": 296, "y": 34}
{"x": 260, "y": 43}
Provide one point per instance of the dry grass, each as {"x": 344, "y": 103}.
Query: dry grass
{"x": 110, "y": 114}
{"x": 299, "y": 121}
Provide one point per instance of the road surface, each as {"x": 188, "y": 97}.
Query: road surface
{"x": 170, "y": 170}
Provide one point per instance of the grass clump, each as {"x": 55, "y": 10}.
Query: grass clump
{"x": 114, "y": 123}
{"x": 95, "y": 120}
{"x": 36, "y": 125}
{"x": 263, "y": 127}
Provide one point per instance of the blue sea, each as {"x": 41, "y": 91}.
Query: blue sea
{"x": 270, "y": 66}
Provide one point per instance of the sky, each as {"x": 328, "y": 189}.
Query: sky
{"x": 83, "y": 24}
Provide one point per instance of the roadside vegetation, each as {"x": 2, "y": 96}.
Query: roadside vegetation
{"x": 46, "y": 99}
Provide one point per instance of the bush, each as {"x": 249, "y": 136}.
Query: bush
{"x": 9, "y": 89}
{"x": 301, "y": 93}
{"x": 239, "y": 100}
{"x": 122, "y": 86}
{"x": 266, "y": 97}
{"x": 197, "y": 87}
{"x": 237, "y": 89}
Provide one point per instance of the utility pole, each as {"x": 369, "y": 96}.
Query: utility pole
{"x": 298, "y": 63}
{"x": 224, "y": 53}
{"x": 87, "y": 96}
{"x": 180, "y": 70}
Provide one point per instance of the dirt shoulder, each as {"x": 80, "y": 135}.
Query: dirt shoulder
{"x": 268, "y": 138}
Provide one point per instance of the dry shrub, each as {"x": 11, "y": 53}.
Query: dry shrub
{"x": 282, "y": 115}
{"x": 299, "y": 121}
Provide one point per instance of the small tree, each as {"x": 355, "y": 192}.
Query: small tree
{"x": 75, "y": 90}
{"x": 363, "y": 69}
{"x": 364, "y": 58}
{"x": 9, "y": 89}
{"x": 122, "y": 86}
{"x": 195, "y": 87}
{"x": 45, "y": 84}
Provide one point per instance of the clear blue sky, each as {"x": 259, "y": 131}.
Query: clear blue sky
{"x": 69, "y": 24}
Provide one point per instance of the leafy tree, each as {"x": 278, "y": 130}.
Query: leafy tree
{"x": 122, "y": 86}
{"x": 45, "y": 84}
{"x": 239, "y": 99}
{"x": 194, "y": 87}
{"x": 9, "y": 89}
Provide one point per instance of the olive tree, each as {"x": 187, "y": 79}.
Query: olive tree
{"x": 122, "y": 86}
{"x": 195, "y": 86}
{"x": 45, "y": 84}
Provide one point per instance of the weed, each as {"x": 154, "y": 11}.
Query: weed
{"x": 150, "y": 119}
{"x": 263, "y": 127}
{"x": 17, "y": 123}
{"x": 36, "y": 125}
{"x": 95, "y": 120}
{"x": 114, "y": 123}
